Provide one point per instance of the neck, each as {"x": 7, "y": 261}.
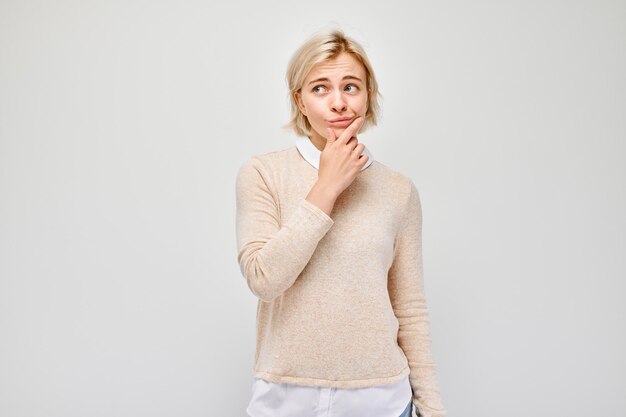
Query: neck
{"x": 318, "y": 141}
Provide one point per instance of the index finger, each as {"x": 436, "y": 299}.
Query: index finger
{"x": 351, "y": 130}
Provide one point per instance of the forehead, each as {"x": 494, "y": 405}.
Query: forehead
{"x": 337, "y": 67}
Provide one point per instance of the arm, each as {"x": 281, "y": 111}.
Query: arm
{"x": 272, "y": 256}
{"x": 406, "y": 293}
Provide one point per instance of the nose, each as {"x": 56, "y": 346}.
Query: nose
{"x": 338, "y": 103}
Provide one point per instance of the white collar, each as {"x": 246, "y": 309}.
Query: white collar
{"x": 312, "y": 154}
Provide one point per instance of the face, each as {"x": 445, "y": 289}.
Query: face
{"x": 332, "y": 90}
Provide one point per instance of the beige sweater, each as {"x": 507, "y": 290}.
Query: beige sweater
{"x": 341, "y": 297}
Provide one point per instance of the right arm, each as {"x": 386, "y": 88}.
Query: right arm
{"x": 271, "y": 256}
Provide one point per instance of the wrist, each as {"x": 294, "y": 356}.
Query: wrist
{"x": 327, "y": 190}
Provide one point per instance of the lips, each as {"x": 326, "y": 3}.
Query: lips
{"x": 342, "y": 122}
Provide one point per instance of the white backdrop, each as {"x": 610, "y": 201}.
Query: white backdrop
{"x": 122, "y": 127}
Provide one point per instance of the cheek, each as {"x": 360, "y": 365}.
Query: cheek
{"x": 361, "y": 105}
{"x": 359, "y": 101}
{"x": 314, "y": 112}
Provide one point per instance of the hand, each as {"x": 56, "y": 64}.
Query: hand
{"x": 341, "y": 160}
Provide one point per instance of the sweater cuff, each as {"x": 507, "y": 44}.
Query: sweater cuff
{"x": 321, "y": 215}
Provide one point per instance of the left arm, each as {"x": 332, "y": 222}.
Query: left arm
{"x": 406, "y": 291}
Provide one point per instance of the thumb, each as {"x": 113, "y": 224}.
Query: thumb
{"x": 331, "y": 136}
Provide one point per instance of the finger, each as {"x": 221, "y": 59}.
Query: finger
{"x": 331, "y": 135}
{"x": 359, "y": 150}
{"x": 351, "y": 130}
{"x": 353, "y": 142}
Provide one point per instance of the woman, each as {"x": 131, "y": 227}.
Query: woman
{"x": 329, "y": 240}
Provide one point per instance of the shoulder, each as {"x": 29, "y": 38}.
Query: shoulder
{"x": 268, "y": 160}
{"x": 399, "y": 184}
{"x": 262, "y": 167}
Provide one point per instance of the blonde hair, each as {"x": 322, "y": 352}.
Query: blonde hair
{"x": 321, "y": 47}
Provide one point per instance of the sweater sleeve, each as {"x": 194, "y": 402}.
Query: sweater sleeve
{"x": 406, "y": 293}
{"x": 272, "y": 255}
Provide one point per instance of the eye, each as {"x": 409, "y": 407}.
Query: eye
{"x": 316, "y": 87}
{"x": 352, "y": 85}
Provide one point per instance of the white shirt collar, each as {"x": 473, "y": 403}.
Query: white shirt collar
{"x": 312, "y": 155}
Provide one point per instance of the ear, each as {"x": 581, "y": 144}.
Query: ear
{"x": 299, "y": 102}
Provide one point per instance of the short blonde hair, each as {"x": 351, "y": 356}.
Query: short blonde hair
{"x": 321, "y": 47}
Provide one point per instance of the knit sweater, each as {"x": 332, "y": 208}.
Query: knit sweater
{"x": 341, "y": 297}
{"x": 274, "y": 399}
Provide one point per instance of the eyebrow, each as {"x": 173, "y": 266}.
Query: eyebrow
{"x": 347, "y": 77}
